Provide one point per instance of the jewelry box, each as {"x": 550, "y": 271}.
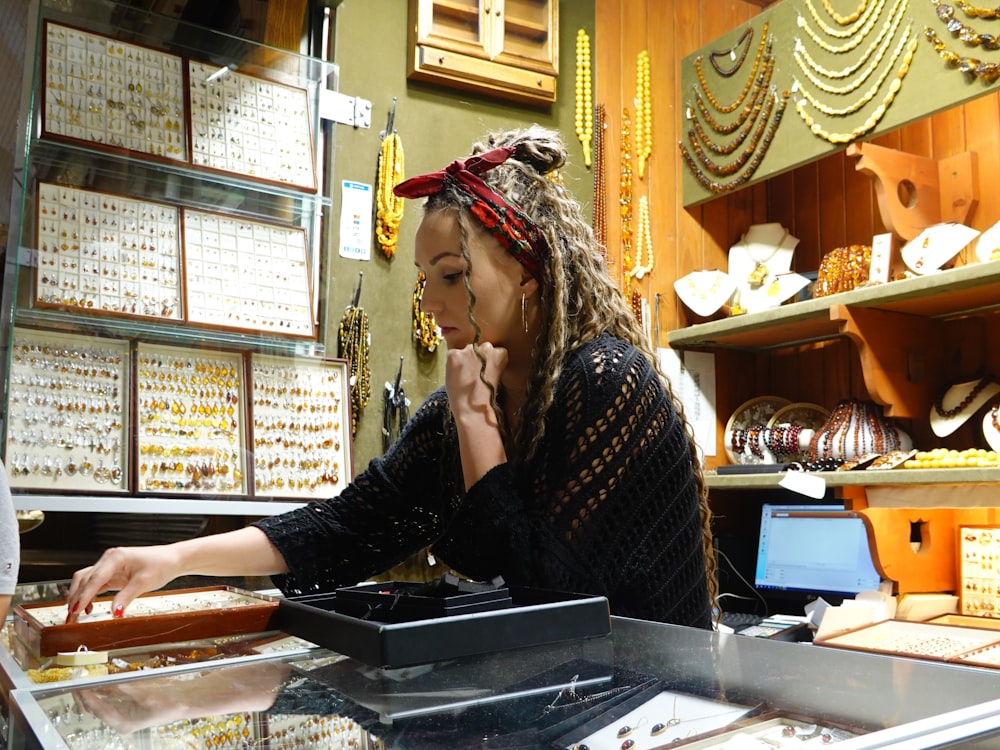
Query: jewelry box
{"x": 158, "y": 617}
{"x": 917, "y": 639}
{"x": 774, "y": 729}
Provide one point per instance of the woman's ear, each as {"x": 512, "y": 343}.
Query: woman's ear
{"x": 529, "y": 284}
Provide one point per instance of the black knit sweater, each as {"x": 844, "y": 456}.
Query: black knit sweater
{"x": 607, "y": 506}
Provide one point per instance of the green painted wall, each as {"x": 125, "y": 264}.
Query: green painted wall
{"x": 436, "y": 125}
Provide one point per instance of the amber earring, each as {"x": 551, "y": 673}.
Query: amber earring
{"x": 524, "y": 312}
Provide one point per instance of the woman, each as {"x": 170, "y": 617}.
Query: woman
{"x": 554, "y": 455}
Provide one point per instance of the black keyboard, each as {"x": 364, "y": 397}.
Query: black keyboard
{"x": 739, "y": 620}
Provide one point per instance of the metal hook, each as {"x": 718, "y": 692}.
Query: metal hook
{"x": 399, "y": 375}
{"x": 390, "y": 124}
{"x": 357, "y": 289}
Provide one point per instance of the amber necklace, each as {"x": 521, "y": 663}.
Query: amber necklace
{"x": 986, "y": 71}
{"x": 844, "y": 20}
{"x": 728, "y": 148}
{"x": 584, "y": 96}
{"x": 869, "y": 94}
{"x": 880, "y": 43}
{"x": 736, "y": 164}
{"x": 877, "y": 114}
{"x": 964, "y": 404}
{"x": 643, "y": 241}
{"x": 975, "y": 12}
{"x": 643, "y": 113}
{"x": 600, "y": 179}
{"x": 716, "y": 56}
{"x": 869, "y": 13}
{"x": 625, "y": 196}
{"x": 762, "y": 47}
{"x": 966, "y": 33}
{"x": 853, "y": 39}
{"x": 763, "y": 85}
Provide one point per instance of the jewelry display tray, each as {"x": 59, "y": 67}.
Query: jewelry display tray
{"x": 924, "y": 640}
{"x": 190, "y": 614}
{"x": 537, "y": 617}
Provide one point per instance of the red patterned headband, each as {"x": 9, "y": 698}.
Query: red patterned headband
{"x": 512, "y": 228}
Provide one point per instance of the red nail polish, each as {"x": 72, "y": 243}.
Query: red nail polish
{"x": 119, "y": 611}
{"x": 75, "y": 608}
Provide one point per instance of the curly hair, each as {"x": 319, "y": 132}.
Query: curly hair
{"x": 578, "y": 299}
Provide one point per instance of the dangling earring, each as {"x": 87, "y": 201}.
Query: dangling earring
{"x": 524, "y": 312}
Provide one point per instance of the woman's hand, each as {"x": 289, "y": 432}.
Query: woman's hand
{"x": 479, "y": 440}
{"x": 129, "y": 570}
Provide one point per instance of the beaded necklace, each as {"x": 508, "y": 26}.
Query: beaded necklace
{"x": 877, "y": 114}
{"x": 964, "y": 403}
{"x": 600, "y": 179}
{"x": 758, "y": 156}
{"x": 625, "y": 198}
{"x": 865, "y": 97}
{"x": 716, "y": 55}
{"x": 762, "y": 83}
{"x": 844, "y": 20}
{"x": 762, "y": 47}
{"x": 425, "y": 329}
{"x": 724, "y": 170}
{"x": 353, "y": 344}
{"x": 584, "y": 100}
{"x": 976, "y": 12}
{"x": 643, "y": 113}
{"x": 389, "y": 207}
{"x": 643, "y": 242}
{"x": 880, "y": 43}
{"x": 967, "y": 34}
{"x": 727, "y": 148}
{"x": 986, "y": 71}
{"x": 854, "y": 35}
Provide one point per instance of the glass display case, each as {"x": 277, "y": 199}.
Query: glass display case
{"x": 647, "y": 685}
{"x": 160, "y": 299}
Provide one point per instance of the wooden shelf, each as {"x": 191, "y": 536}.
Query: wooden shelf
{"x": 923, "y": 480}
{"x": 946, "y": 295}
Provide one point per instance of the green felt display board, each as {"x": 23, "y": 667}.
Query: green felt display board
{"x": 928, "y": 85}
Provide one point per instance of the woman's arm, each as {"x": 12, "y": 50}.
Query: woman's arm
{"x": 136, "y": 570}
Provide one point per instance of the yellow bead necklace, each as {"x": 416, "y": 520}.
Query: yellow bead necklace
{"x": 389, "y": 207}
{"x": 584, "y": 97}
{"x": 643, "y": 113}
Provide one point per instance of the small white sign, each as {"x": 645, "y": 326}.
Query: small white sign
{"x": 356, "y": 220}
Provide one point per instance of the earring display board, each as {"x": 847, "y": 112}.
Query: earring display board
{"x": 158, "y": 617}
{"x": 107, "y": 253}
{"x": 67, "y": 412}
{"x": 773, "y": 730}
{"x": 247, "y": 274}
{"x": 301, "y": 426}
{"x": 919, "y": 639}
{"x": 979, "y": 570}
{"x": 190, "y": 428}
{"x": 250, "y": 126}
{"x": 113, "y": 94}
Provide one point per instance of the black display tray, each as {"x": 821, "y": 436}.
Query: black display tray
{"x": 536, "y": 617}
{"x": 400, "y": 601}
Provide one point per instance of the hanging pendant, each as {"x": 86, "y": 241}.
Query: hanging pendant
{"x": 757, "y": 276}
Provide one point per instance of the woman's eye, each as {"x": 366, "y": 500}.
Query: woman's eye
{"x": 453, "y": 277}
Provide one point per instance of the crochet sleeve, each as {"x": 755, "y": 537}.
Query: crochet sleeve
{"x": 390, "y": 511}
{"x": 609, "y": 504}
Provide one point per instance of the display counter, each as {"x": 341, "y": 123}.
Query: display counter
{"x": 647, "y": 685}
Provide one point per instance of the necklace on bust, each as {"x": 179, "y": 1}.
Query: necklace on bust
{"x": 760, "y": 272}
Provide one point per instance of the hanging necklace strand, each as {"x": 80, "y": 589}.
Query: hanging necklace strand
{"x": 862, "y": 20}
{"x": 745, "y": 42}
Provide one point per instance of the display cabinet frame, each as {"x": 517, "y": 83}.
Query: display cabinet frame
{"x": 53, "y": 158}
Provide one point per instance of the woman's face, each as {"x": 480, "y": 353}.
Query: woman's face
{"x": 495, "y": 279}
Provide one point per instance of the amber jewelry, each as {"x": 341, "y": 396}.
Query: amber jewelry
{"x": 724, "y": 149}
{"x": 877, "y": 114}
{"x": 966, "y": 33}
{"x": 731, "y": 167}
{"x": 864, "y": 98}
{"x": 353, "y": 344}
{"x": 625, "y": 196}
{"x": 743, "y": 177}
{"x": 878, "y": 47}
{"x": 985, "y": 71}
{"x": 600, "y": 179}
{"x": 735, "y": 61}
{"x": 643, "y": 113}
{"x": 753, "y": 105}
{"x": 854, "y": 34}
{"x": 964, "y": 404}
{"x": 389, "y": 207}
{"x": 425, "y": 330}
{"x": 583, "y": 116}
{"x": 643, "y": 241}
{"x": 844, "y": 20}
{"x": 977, "y": 12}
{"x": 763, "y": 46}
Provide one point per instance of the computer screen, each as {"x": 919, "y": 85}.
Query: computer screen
{"x": 818, "y": 549}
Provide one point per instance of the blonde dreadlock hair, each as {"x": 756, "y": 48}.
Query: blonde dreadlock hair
{"x": 578, "y": 299}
